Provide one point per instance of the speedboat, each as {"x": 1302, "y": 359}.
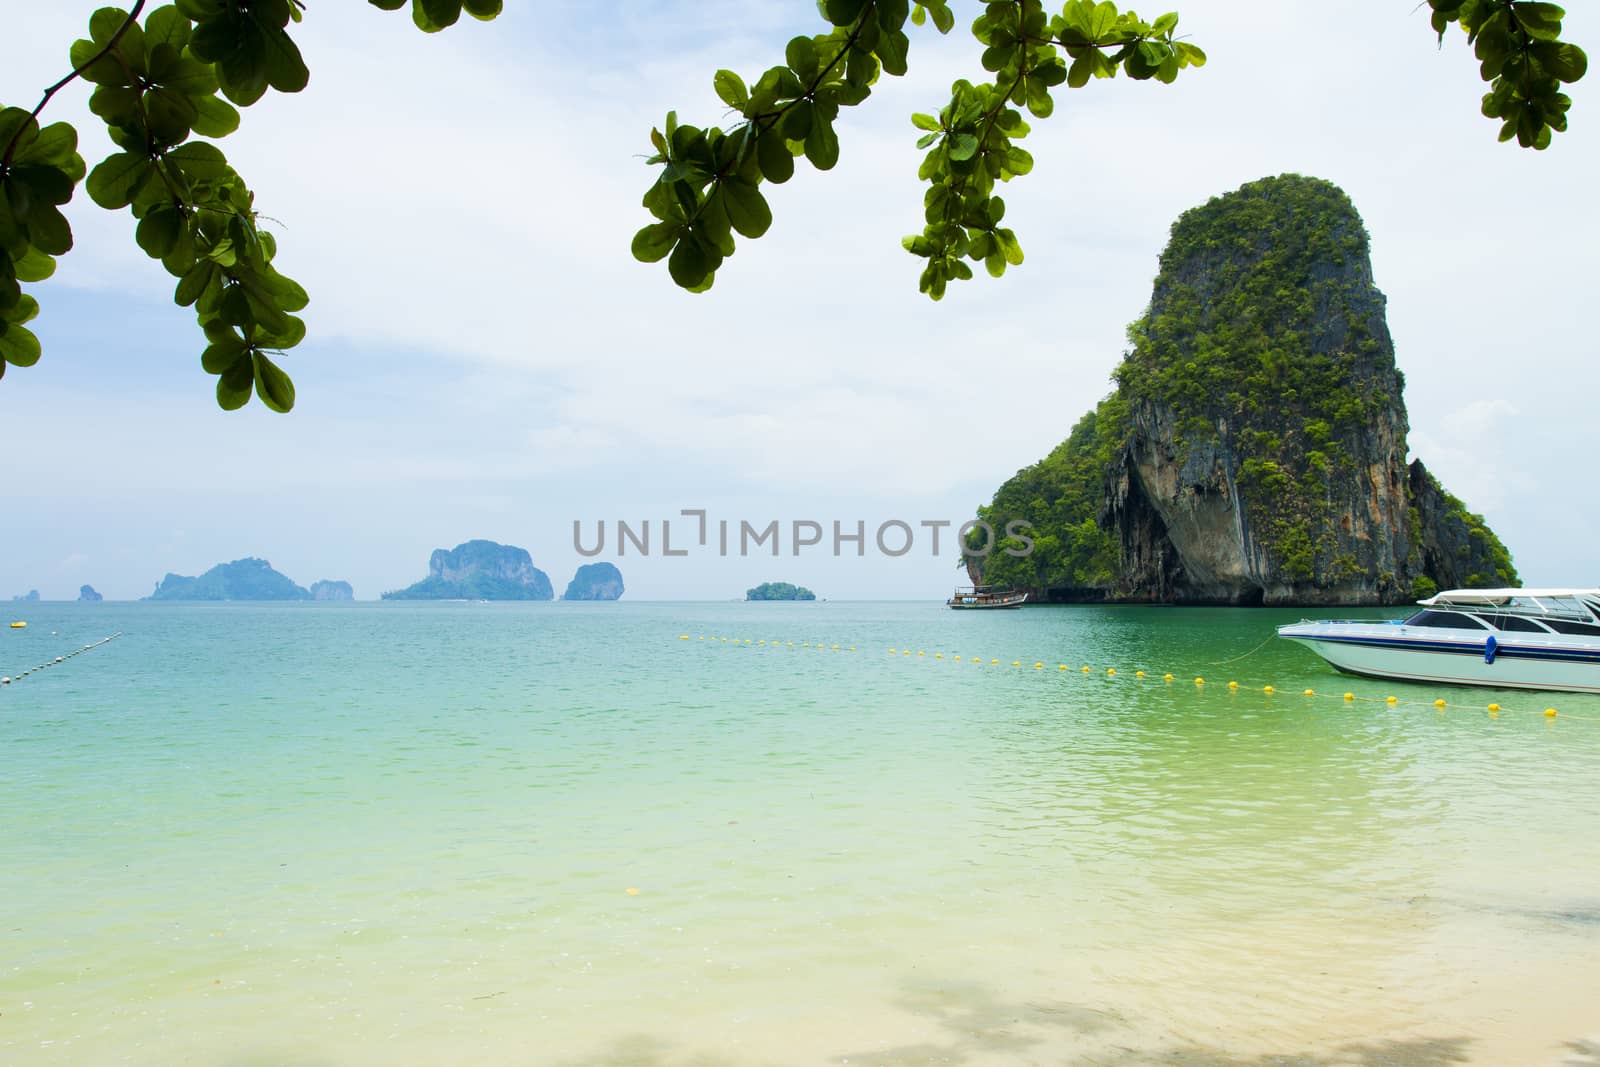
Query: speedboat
{"x": 1509, "y": 638}
{"x": 979, "y": 597}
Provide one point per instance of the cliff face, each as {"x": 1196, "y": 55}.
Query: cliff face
{"x": 87, "y": 595}
{"x": 595, "y": 581}
{"x": 1255, "y": 449}
{"x": 479, "y": 570}
{"x": 326, "y": 590}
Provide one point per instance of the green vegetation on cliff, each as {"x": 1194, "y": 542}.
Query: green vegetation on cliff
{"x": 243, "y": 579}
{"x": 1259, "y": 403}
{"x": 779, "y": 591}
{"x": 479, "y": 570}
{"x": 1062, "y": 496}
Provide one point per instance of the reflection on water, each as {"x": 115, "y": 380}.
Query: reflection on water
{"x": 364, "y": 834}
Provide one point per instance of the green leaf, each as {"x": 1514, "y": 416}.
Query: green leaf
{"x": 158, "y": 231}
{"x": 731, "y": 88}
{"x": 113, "y": 183}
{"x": 235, "y": 386}
{"x": 963, "y": 146}
{"x": 688, "y": 264}
{"x": 483, "y": 9}
{"x": 200, "y": 162}
{"x": 653, "y": 243}
{"x": 221, "y": 355}
{"x": 195, "y": 282}
{"x": 19, "y": 346}
{"x": 747, "y": 208}
{"x": 286, "y": 68}
{"x": 1566, "y": 62}
{"x": 33, "y": 266}
{"x": 822, "y": 145}
{"x": 774, "y": 157}
{"x": 273, "y": 385}
{"x": 801, "y": 55}
{"x": 214, "y": 117}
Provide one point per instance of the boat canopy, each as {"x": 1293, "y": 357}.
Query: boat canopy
{"x": 1579, "y": 603}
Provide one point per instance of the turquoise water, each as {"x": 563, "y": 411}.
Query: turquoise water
{"x": 558, "y": 834}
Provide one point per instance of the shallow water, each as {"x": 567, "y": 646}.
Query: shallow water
{"x": 407, "y": 834}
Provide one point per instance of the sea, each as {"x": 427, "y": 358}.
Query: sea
{"x": 727, "y": 834}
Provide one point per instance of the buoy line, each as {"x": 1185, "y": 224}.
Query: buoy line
{"x": 57, "y": 661}
{"x": 1111, "y": 674}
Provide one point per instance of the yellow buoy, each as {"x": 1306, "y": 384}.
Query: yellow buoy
{"x": 1494, "y": 707}
{"x": 938, "y": 655}
{"x": 19, "y": 625}
{"x": 1086, "y": 670}
{"x": 1062, "y": 667}
{"x": 632, "y": 892}
{"x": 1199, "y": 681}
{"x": 891, "y": 652}
{"x": 683, "y": 637}
{"x": 1016, "y": 663}
{"x": 1138, "y": 674}
{"x": 1311, "y": 692}
{"x": 1391, "y": 700}
{"x": 996, "y": 663}
{"x": 1266, "y": 689}
{"x": 1439, "y": 703}
{"x": 1038, "y": 666}
{"x": 919, "y": 654}
{"x": 956, "y": 658}
{"x": 1349, "y": 696}
{"x": 1111, "y": 670}
{"x": 1549, "y": 713}
{"x": 1233, "y": 685}
{"x": 1166, "y": 677}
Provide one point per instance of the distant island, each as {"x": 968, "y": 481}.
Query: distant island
{"x": 87, "y": 595}
{"x": 595, "y": 581}
{"x": 32, "y": 594}
{"x": 243, "y": 579}
{"x": 479, "y": 570}
{"x": 779, "y": 591}
{"x": 332, "y": 591}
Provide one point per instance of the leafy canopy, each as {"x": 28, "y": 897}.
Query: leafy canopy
{"x": 709, "y": 185}
{"x": 170, "y": 86}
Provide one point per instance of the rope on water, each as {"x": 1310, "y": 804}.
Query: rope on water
{"x": 6, "y": 682}
{"x": 1270, "y": 638}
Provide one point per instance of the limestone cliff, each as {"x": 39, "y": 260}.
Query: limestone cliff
{"x": 1254, "y": 451}
{"x": 479, "y": 570}
{"x": 595, "y": 581}
{"x": 328, "y": 590}
{"x": 87, "y": 595}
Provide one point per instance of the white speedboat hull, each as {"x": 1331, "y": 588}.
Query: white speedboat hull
{"x": 1427, "y": 654}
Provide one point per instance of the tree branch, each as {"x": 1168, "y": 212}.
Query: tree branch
{"x": 33, "y": 117}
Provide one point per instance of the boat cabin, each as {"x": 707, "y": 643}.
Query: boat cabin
{"x": 1533, "y": 611}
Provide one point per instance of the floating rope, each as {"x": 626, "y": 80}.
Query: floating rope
{"x": 1270, "y": 638}
{"x": 1111, "y": 674}
{"x": 57, "y": 661}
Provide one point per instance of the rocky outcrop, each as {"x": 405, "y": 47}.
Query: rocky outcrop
{"x": 243, "y": 579}
{"x": 779, "y": 591}
{"x": 30, "y": 596}
{"x": 595, "y": 581}
{"x": 1254, "y": 451}
{"x": 87, "y": 595}
{"x": 326, "y": 590}
{"x": 479, "y": 570}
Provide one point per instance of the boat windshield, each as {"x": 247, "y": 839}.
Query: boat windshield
{"x": 1445, "y": 620}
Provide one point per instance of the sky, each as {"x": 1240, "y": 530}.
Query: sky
{"x": 486, "y": 360}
